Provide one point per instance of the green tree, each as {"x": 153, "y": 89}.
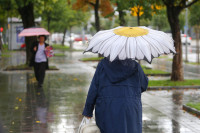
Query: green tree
{"x": 174, "y": 8}
{"x": 50, "y": 10}
{"x": 143, "y": 9}
{"x": 60, "y": 16}
{"x": 26, "y": 11}
{"x": 98, "y": 5}
{"x": 195, "y": 23}
{"x": 69, "y": 19}
{"x": 121, "y": 7}
{"x": 160, "y": 22}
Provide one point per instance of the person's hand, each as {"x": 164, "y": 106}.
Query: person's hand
{"x": 88, "y": 117}
{"x": 35, "y": 48}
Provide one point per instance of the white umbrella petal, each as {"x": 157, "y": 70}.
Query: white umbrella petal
{"x": 117, "y": 47}
{"x": 164, "y": 39}
{"x": 154, "y": 52}
{"x": 157, "y": 44}
{"x": 107, "y": 52}
{"x": 144, "y": 47}
{"x": 160, "y": 41}
{"x": 140, "y": 43}
{"x": 99, "y": 40}
{"x": 122, "y": 54}
{"x": 132, "y": 47}
{"x": 107, "y": 44}
{"x": 139, "y": 54}
{"x": 153, "y": 43}
{"x": 127, "y": 48}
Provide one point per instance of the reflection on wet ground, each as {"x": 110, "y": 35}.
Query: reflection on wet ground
{"x": 57, "y": 107}
{"x": 162, "y": 111}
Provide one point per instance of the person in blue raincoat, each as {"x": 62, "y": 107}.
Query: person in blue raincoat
{"x": 115, "y": 92}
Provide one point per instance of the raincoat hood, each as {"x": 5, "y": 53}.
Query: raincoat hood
{"x": 119, "y": 70}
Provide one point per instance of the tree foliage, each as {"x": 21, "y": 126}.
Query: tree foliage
{"x": 195, "y": 23}
{"x": 104, "y": 6}
{"x": 195, "y": 15}
{"x": 144, "y": 9}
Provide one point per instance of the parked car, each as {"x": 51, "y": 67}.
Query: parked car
{"x": 184, "y": 37}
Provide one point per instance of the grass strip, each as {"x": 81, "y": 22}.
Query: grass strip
{"x": 188, "y": 82}
{"x": 92, "y": 59}
{"x": 59, "y": 54}
{"x": 194, "y": 105}
{"x": 60, "y": 47}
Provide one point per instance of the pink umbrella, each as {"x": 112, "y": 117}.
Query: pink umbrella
{"x": 34, "y": 32}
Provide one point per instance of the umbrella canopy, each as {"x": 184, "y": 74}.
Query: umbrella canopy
{"x": 137, "y": 43}
{"x": 34, "y": 32}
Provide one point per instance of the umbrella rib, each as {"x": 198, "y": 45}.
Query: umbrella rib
{"x": 104, "y": 46}
{"x": 139, "y": 48}
{"x": 141, "y": 51}
{"x": 105, "y": 40}
{"x": 136, "y": 48}
{"x": 150, "y": 45}
{"x": 99, "y": 44}
{"x": 159, "y": 43}
{"x": 115, "y": 40}
{"x": 123, "y": 46}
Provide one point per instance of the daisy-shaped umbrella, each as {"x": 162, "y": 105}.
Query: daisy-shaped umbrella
{"x": 137, "y": 43}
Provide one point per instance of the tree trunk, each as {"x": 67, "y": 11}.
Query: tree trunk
{"x": 48, "y": 22}
{"x": 96, "y": 12}
{"x": 27, "y": 16}
{"x": 122, "y": 21}
{"x": 138, "y": 19}
{"x": 197, "y": 42}
{"x": 138, "y": 16}
{"x": 63, "y": 40}
{"x": 70, "y": 42}
{"x": 177, "y": 65}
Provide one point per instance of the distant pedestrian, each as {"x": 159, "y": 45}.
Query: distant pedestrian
{"x": 39, "y": 59}
{"x": 115, "y": 92}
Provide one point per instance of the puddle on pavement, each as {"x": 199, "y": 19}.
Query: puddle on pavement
{"x": 56, "y": 108}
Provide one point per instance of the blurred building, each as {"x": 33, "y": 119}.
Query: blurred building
{"x": 15, "y": 26}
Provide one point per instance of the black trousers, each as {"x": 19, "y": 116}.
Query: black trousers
{"x": 39, "y": 70}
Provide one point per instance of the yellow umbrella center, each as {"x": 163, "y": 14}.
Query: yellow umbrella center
{"x": 131, "y": 31}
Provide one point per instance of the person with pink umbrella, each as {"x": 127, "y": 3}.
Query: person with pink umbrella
{"x": 39, "y": 59}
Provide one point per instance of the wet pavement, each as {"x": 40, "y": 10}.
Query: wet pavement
{"x": 58, "y": 106}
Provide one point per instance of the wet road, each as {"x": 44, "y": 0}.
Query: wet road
{"x": 58, "y": 106}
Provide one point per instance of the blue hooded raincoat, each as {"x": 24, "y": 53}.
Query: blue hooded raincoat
{"x": 115, "y": 92}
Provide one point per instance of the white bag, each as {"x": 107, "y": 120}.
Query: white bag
{"x": 88, "y": 126}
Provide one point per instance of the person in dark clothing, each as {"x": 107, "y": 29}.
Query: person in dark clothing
{"x": 115, "y": 93}
{"x": 39, "y": 60}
